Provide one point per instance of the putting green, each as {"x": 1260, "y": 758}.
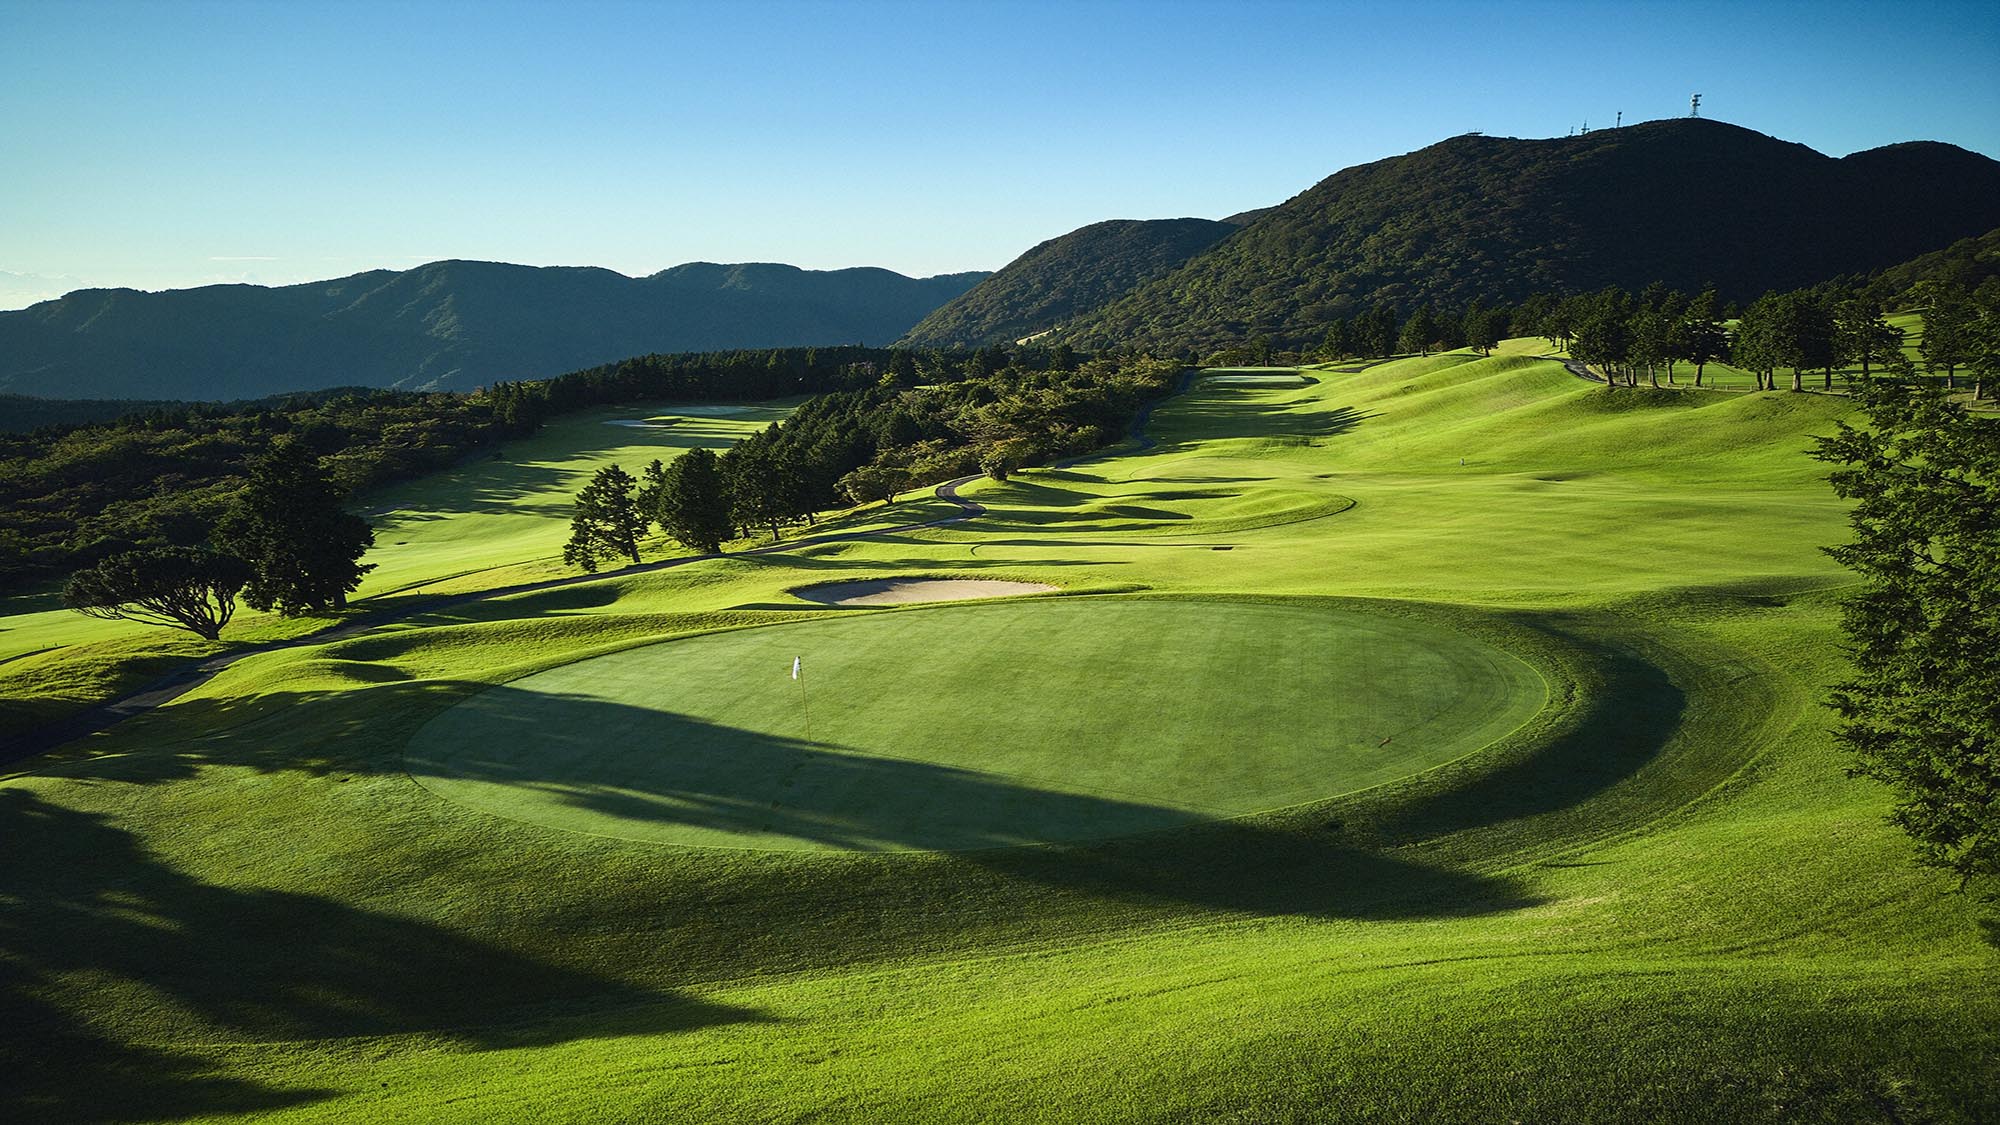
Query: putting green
{"x": 976, "y": 726}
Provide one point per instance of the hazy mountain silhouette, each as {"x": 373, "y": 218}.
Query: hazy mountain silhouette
{"x": 449, "y": 325}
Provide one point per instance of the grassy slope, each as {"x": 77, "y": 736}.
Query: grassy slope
{"x": 1660, "y": 901}
{"x": 494, "y": 521}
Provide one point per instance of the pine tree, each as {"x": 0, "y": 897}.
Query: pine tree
{"x": 693, "y": 504}
{"x": 1922, "y": 712}
{"x": 607, "y": 523}
{"x": 1703, "y": 339}
{"x": 303, "y": 547}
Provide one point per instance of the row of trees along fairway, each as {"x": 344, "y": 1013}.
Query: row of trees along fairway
{"x": 1653, "y": 332}
{"x": 929, "y": 417}
{"x": 285, "y": 544}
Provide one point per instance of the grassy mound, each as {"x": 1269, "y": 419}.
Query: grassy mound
{"x": 976, "y": 727}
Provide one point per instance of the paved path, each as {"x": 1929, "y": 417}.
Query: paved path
{"x": 182, "y": 680}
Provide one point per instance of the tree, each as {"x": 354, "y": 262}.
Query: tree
{"x": 303, "y": 547}
{"x": 1484, "y": 328}
{"x": 1604, "y": 334}
{"x": 1802, "y": 335}
{"x": 1864, "y": 337}
{"x": 875, "y": 482}
{"x": 1947, "y": 342}
{"x": 1984, "y": 360}
{"x": 607, "y": 522}
{"x": 1920, "y": 712}
{"x": 179, "y": 587}
{"x": 1703, "y": 339}
{"x": 1652, "y": 341}
{"x": 1755, "y": 347}
{"x": 1419, "y": 332}
{"x": 693, "y": 503}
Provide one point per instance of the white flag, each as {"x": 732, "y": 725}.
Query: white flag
{"x": 795, "y": 667}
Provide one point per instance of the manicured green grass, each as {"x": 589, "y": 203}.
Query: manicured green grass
{"x": 501, "y": 518}
{"x": 971, "y": 728}
{"x": 1659, "y": 899}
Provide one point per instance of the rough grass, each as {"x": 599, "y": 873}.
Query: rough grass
{"x": 1659, "y": 900}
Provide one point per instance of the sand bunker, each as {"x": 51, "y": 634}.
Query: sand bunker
{"x": 905, "y": 591}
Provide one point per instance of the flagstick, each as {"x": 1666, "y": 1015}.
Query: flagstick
{"x": 805, "y": 702}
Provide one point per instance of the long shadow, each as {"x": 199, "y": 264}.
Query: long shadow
{"x": 1634, "y": 713}
{"x": 673, "y": 772}
{"x": 1196, "y": 421}
{"x": 693, "y": 774}
{"x": 90, "y": 920}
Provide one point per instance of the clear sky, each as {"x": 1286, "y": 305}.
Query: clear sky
{"x": 162, "y": 144}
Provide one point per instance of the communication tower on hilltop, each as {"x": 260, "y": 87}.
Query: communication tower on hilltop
{"x": 1620, "y": 123}
{"x": 1694, "y": 106}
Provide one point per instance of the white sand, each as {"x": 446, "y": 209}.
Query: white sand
{"x": 904, "y": 591}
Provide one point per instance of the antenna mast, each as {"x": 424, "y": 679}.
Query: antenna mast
{"x": 1620, "y": 123}
{"x": 1694, "y": 106}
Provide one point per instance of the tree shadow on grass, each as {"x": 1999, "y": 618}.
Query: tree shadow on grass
{"x": 668, "y": 777}
{"x": 1199, "y": 421}
{"x": 1632, "y": 713}
{"x": 91, "y": 922}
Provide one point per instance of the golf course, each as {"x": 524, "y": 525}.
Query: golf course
{"x": 1434, "y": 738}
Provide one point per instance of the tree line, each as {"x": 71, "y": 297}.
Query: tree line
{"x": 162, "y": 476}
{"x": 927, "y": 418}
{"x": 1656, "y": 331}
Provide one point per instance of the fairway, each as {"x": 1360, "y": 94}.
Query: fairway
{"x": 973, "y": 727}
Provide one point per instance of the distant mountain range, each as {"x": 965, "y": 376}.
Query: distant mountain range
{"x": 448, "y": 325}
{"x": 1689, "y": 202}
{"x": 1059, "y": 279}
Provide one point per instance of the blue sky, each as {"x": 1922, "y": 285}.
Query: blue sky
{"x": 165, "y": 144}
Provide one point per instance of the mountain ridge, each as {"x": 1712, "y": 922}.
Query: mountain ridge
{"x": 1063, "y": 276}
{"x": 451, "y": 325}
{"x": 1685, "y": 201}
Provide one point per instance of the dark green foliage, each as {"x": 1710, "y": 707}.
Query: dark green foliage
{"x": 1966, "y": 264}
{"x": 607, "y": 523}
{"x": 1604, "y": 332}
{"x": 71, "y": 496}
{"x": 179, "y": 587}
{"x": 1922, "y": 711}
{"x": 447, "y": 325}
{"x": 1865, "y": 338}
{"x": 1702, "y": 339}
{"x": 1065, "y": 277}
{"x": 693, "y": 502}
{"x": 1948, "y": 327}
{"x": 955, "y": 421}
{"x": 870, "y": 483}
{"x": 288, "y": 524}
{"x": 1686, "y": 202}
{"x": 1419, "y": 332}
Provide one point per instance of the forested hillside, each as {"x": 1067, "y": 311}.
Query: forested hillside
{"x": 71, "y": 495}
{"x": 1966, "y": 263}
{"x": 445, "y": 326}
{"x": 1066, "y": 277}
{"x": 1690, "y": 203}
